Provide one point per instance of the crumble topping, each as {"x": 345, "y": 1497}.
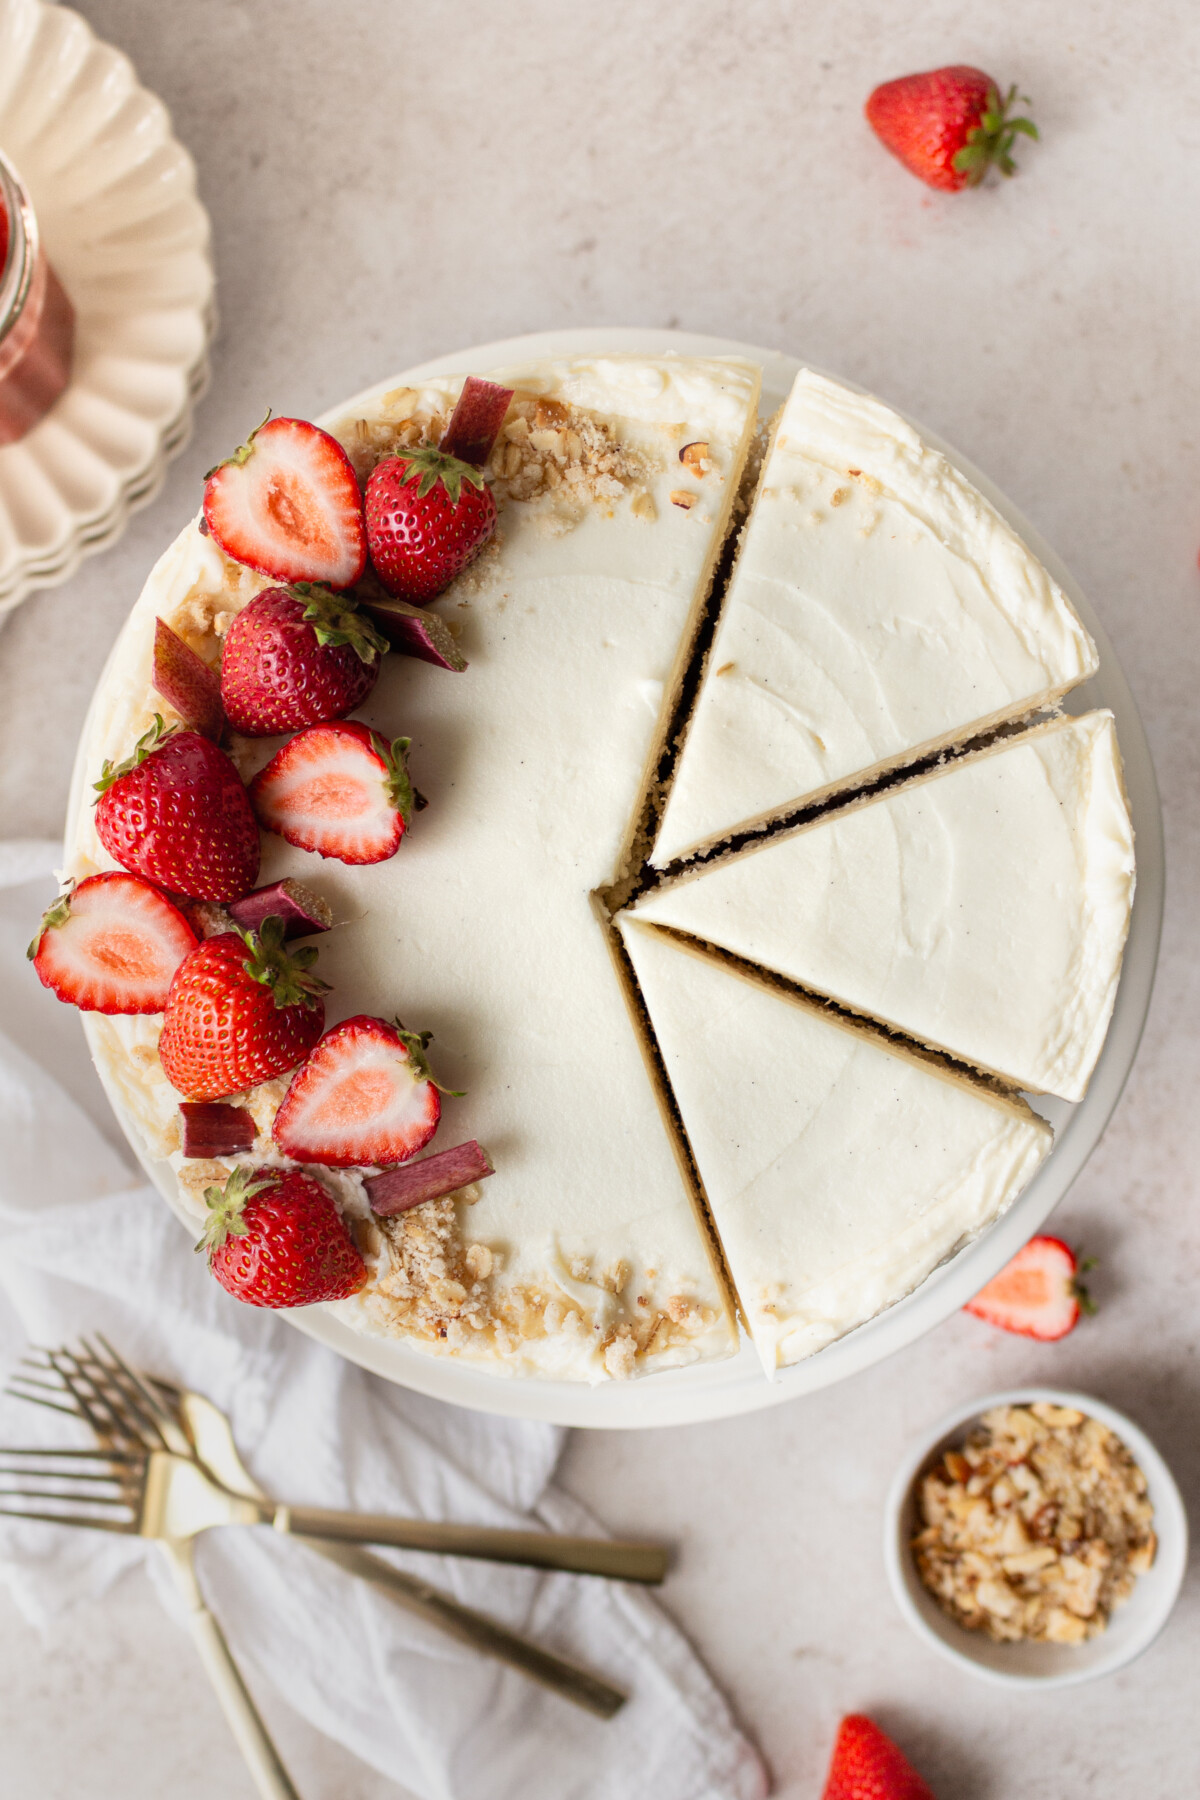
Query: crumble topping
{"x": 1036, "y": 1528}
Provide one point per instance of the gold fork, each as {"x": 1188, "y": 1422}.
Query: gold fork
{"x": 166, "y": 1491}
{"x": 209, "y": 1439}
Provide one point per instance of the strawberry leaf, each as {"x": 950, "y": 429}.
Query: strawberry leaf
{"x": 432, "y": 465}
{"x": 243, "y": 453}
{"x": 989, "y": 142}
{"x": 285, "y": 972}
{"x": 52, "y": 918}
{"x": 146, "y": 745}
{"x": 401, "y": 792}
{"x": 225, "y": 1207}
{"x": 416, "y": 1043}
{"x": 335, "y": 619}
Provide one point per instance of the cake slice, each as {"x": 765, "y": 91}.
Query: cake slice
{"x": 838, "y": 1170}
{"x": 585, "y": 1255}
{"x": 981, "y": 908}
{"x": 880, "y": 610}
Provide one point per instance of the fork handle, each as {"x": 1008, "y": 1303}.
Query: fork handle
{"x": 270, "y": 1777}
{"x": 610, "y": 1557}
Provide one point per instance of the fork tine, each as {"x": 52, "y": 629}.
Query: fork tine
{"x": 106, "y": 1419}
{"x": 33, "y": 1399}
{"x": 123, "y": 1457}
{"x": 60, "y": 1357}
{"x": 143, "y": 1398}
{"x": 47, "y": 1387}
{"x": 13, "y": 1512}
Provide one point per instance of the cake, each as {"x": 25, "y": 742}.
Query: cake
{"x": 637, "y": 1206}
{"x": 840, "y": 1168}
{"x": 981, "y": 908}
{"x": 880, "y": 611}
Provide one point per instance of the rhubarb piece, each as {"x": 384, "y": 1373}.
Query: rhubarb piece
{"x": 187, "y": 683}
{"x": 303, "y": 912}
{"x": 415, "y": 631}
{"x": 476, "y": 420}
{"x": 397, "y": 1190}
{"x": 213, "y": 1128}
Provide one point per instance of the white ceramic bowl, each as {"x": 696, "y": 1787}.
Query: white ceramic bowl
{"x": 1132, "y": 1627}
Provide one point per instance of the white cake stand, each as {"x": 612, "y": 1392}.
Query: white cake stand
{"x": 717, "y": 1390}
{"x": 115, "y": 198}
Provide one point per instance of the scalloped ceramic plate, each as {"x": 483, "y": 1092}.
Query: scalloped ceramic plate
{"x": 715, "y": 1390}
{"x": 115, "y": 197}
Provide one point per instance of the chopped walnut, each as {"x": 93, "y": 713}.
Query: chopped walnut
{"x": 683, "y": 498}
{"x": 1036, "y": 1527}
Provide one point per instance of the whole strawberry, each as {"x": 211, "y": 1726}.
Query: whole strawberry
{"x": 428, "y": 516}
{"x": 867, "y": 1765}
{"x": 297, "y": 656}
{"x": 275, "y": 1238}
{"x": 241, "y": 1009}
{"x": 176, "y": 812}
{"x": 948, "y": 126}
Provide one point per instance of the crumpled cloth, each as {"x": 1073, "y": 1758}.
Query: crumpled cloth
{"x": 86, "y": 1245}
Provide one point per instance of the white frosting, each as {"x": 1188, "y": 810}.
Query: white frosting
{"x": 482, "y": 928}
{"x": 839, "y": 1173}
{"x": 982, "y": 909}
{"x": 880, "y": 608}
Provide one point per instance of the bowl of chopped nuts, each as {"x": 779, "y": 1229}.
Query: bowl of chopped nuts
{"x": 1037, "y": 1538}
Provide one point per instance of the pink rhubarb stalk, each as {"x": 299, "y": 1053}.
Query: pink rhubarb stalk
{"x": 476, "y": 420}
{"x": 213, "y": 1128}
{"x": 303, "y": 912}
{"x": 432, "y": 1178}
{"x": 187, "y": 684}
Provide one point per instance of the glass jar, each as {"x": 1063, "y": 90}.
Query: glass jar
{"x": 37, "y": 321}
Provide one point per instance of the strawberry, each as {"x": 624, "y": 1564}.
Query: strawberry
{"x": 297, "y": 656}
{"x": 111, "y": 945}
{"x": 177, "y": 813}
{"x": 867, "y": 1765}
{"x": 428, "y": 516}
{"x": 275, "y": 1238}
{"x": 340, "y": 790}
{"x": 1038, "y": 1294}
{"x": 287, "y": 504}
{"x": 241, "y": 1009}
{"x": 365, "y": 1096}
{"x": 948, "y": 126}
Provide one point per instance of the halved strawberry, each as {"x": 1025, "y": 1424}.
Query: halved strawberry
{"x": 1038, "y": 1294}
{"x": 288, "y": 504}
{"x": 112, "y": 945}
{"x": 338, "y": 789}
{"x": 365, "y": 1096}
{"x": 866, "y": 1765}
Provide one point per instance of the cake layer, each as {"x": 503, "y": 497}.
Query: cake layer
{"x": 839, "y": 1172}
{"x": 585, "y": 1254}
{"x": 880, "y": 609}
{"x": 982, "y": 908}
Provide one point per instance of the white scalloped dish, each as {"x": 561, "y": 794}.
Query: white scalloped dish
{"x": 115, "y": 197}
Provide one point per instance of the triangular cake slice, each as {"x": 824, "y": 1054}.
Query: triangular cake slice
{"x": 839, "y": 1171}
{"x": 880, "y": 610}
{"x": 982, "y": 908}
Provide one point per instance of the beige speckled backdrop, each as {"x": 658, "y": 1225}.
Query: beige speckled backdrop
{"x": 390, "y": 179}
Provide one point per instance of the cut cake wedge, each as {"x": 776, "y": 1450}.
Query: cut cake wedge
{"x": 880, "y": 610}
{"x": 981, "y": 909}
{"x": 839, "y": 1171}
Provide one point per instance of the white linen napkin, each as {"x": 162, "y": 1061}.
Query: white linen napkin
{"x": 85, "y": 1245}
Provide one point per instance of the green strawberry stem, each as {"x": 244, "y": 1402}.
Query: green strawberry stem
{"x": 146, "y": 745}
{"x": 416, "y": 1043}
{"x": 401, "y": 792}
{"x": 285, "y": 972}
{"x": 335, "y": 619}
{"x": 991, "y": 141}
{"x": 1087, "y": 1305}
{"x": 432, "y": 465}
{"x": 225, "y": 1207}
{"x": 52, "y": 918}
{"x": 244, "y": 452}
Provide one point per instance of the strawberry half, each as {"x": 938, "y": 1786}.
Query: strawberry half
{"x": 365, "y": 1096}
{"x": 297, "y": 656}
{"x": 340, "y": 790}
{"x": 428, "y": 516}
{"x": 112, "y": 945}
{"x": 275, "y": 1238}
{"x": 867, "y": 1765}
{"x": 241, "y": 1009}
{"x": 1038, "y": 1294}
{"x": 177, "y": 813}
{"x": 948, "y": 126}
{"x": 287, "y": 503}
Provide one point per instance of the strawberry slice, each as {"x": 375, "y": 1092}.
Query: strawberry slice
{"x": 339, "y": 789}
{"x": 867, "y": 1765}
{"x": 112, "y": 945}
{"x": 366, "y": 1095}
{"x": 1038, "y": 1294}
{"x": 287, "y": 503}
